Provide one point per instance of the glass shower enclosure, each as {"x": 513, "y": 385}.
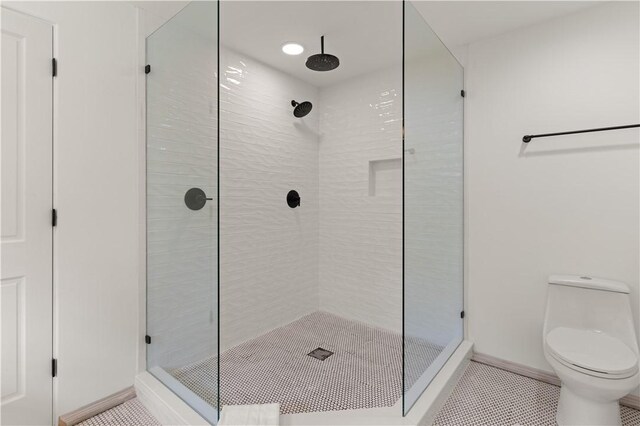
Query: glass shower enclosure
{"x": 433, "y": 204}
{"x": 304, "y": 227}
{"x": 182, "y": 188}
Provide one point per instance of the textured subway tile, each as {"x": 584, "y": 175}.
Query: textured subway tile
{"x": 269, "y": 274}
{"x": 360, "y": 235}
{"x": 270, "y": 261}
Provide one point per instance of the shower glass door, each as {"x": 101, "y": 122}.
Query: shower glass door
{"x": 182, "y": 208}
{"x": 433, "y": 205}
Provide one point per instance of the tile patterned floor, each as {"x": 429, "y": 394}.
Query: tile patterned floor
{"x": 489, "y": 396}
{"x": 365, "y": 370}
{"x": 130, "y": 413}
{"x": 485, "y": 396}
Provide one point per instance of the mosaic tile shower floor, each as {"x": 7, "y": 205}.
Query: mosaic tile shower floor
{"x": 130, "y": 413}
{"x": 364, "y": 371}
{"x": 487, "y": 396}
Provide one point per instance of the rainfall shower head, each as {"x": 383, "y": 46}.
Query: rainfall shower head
{"x": 322, "y": 61}
{"x": 301, "y": 109}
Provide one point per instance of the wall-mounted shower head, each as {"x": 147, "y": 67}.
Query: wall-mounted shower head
{"x": 301, "y": 109}
{"x": 322, "y": 61}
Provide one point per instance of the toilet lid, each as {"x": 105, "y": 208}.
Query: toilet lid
{"x": 592, "y": 350}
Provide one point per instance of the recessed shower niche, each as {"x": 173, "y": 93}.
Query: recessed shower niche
{"x": 243, "y": 289}
{"x": 385, "y": 177}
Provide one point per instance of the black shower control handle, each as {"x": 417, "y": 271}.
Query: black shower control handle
{"x": 293, "y": 199}
{"x": 195, "y": 199}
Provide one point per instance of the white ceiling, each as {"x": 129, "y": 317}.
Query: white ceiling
{"x": 365, "y": 35}
{"x": 462, "y": 22}
{"x": 164, "y": 9}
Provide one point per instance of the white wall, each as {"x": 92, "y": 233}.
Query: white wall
{"x": 563, "y": 205}
{"x": 269, "y": 260}
{"x": 433, "y": 287}
{"x": 151, "y": 16}
{"x": 361, "y": 227}
{"x": 96, "y": 194}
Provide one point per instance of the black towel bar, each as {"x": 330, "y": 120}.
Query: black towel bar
{"x": 527, "y": 138}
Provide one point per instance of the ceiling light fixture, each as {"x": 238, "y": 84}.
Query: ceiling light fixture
{"x": 292, "y": 48}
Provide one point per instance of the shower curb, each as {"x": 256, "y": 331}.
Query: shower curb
{"x": 163, "y": 404}
{"x": 169, "y": 409}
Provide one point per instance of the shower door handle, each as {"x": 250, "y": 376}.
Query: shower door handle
{"x": 195, "y": 198}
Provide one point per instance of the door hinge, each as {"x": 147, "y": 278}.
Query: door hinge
{"x": 147, "y": 339}
{"x": 54, "y": 67}
{"x": 462, "y": 93}
{"x": 54, "y": 367}
{"x": 462, "y": 314}
{"x": 147, "y": 69}
{"x": 54, "y": 217}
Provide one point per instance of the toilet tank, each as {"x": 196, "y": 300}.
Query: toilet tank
{"x": 592, "y": 304}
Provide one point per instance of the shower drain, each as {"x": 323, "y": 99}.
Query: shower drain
{"x": 320, "y": 354}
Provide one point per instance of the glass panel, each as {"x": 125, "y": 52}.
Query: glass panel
{"x": 311, "y": 294}
{"x": 433, "y": 205}
{"x": 182, "y": 306}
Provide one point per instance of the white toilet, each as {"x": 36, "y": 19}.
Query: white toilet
{"x": 590, "y": 341}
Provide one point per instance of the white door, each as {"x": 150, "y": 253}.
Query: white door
{"x": 26, "y": 229}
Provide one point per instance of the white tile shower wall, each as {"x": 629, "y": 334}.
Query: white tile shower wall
{"x": 269, "y": 261}
{"x": 361, "y": 234}
{"x": 341, "y": 251}
{"x": 558, "y": 205}
{"x": 181, "y": 154}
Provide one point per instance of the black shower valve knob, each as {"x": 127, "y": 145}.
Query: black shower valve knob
{"x": 293, "y": 199}
{"x": 195, "y": 198}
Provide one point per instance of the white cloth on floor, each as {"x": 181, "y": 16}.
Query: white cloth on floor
{"x": 250, "y": 415}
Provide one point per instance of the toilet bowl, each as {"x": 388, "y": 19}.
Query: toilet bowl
{"x": 590, "y": 342}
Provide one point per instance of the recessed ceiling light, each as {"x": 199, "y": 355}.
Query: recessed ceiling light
{"x": 292, "y": 49}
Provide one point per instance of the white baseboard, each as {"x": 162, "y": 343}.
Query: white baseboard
{"x": 513, "y": 367}
{"x": 632, "y": 401}
{"x": 95, "y": 408}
